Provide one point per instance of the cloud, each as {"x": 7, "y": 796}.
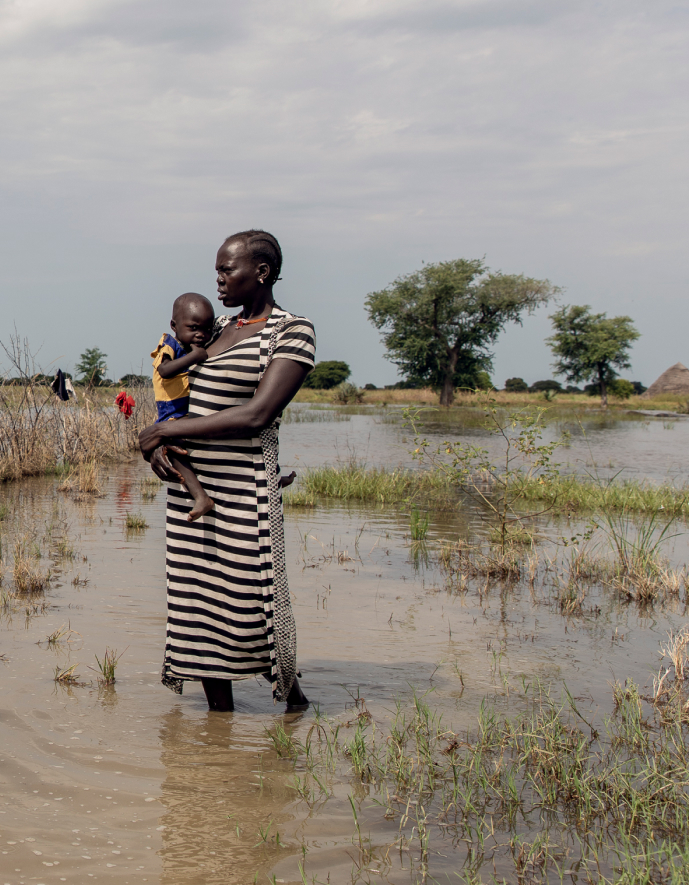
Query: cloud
{"x": 550, "y": 136}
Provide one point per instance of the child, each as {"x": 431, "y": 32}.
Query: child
{"x": 192, "y": 324}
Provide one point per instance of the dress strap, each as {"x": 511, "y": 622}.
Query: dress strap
{"x": 269, "y": 340}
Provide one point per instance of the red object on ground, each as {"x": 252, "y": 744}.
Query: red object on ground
{"x": 125, "y": 404}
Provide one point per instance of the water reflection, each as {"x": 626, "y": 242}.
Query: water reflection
{"x": 225, "y": 799}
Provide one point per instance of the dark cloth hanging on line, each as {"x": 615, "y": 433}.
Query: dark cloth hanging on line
{"x": 62, "y": 386}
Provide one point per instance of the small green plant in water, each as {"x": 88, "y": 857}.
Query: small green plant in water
{"x": 418, "y": 523}
{"x": 149, "y": 487}
{"x": 136, "y": 522}
{"x": 500, "y": 486}
{"x": 66, "y": 675}
{"x": 107, "y": 667}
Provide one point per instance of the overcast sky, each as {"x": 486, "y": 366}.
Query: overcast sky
{"x": 369, "y": 136}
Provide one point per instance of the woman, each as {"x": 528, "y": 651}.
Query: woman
{"x": 229, "y": 612}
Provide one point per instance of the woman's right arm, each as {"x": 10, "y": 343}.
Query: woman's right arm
{"x": 282, "y": 380}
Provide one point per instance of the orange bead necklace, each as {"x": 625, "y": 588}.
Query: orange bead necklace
{"x": 242, "y": 322}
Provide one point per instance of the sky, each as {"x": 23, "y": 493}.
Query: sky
{"x": 370, "y": 136}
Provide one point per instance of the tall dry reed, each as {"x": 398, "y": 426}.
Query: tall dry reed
{"x": 39, "y": 434}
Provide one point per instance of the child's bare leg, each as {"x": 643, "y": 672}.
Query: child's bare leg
{"x": 202, "y": 503}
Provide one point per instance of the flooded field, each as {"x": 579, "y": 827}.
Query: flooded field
{"x": 130, "y": 783}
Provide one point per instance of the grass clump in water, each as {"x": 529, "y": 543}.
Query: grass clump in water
{"x": 357, "y": 482}
{"x": 571, "y": 493}
{"x": 149, "y": 487}
{"x": 28, "y": 576}
{"x": 107, "y": 667}
{"x": 418, "y": 524}
{"x": 83, "y": 481}
{"x": 135, "y": 522}
{"x": 66, "y": 675}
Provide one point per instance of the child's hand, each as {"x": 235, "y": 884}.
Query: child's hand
{"x": 199, "y": 353}
{"x": 288, "y": 480}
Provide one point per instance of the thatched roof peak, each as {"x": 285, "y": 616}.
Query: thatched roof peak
{"x": 673, "y": 380}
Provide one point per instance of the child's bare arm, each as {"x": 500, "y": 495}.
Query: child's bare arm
{"x": 169, "y": 368}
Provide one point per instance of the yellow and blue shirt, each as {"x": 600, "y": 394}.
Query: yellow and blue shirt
{"x": 171, "y": 394}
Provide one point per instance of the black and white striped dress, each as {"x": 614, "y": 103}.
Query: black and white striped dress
{"x": 229, "y": 611}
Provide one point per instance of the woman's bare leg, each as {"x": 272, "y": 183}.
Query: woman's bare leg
{"x": 296, "y": 699}
{"x": 219, "y": 694}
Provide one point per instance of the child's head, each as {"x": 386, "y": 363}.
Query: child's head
{"x": 192, "y": 319}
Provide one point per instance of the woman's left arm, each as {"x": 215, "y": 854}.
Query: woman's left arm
{"x": 282, "y": 380}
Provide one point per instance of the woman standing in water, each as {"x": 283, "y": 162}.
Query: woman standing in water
{"x": 229, "y": 611}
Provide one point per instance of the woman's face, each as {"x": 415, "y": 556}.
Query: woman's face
{"x": 238, "y": 274}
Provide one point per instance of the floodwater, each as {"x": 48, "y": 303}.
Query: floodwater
{"x": 134, "y": 784}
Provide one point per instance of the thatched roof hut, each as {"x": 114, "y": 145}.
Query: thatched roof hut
{"x": 673, "y": 380}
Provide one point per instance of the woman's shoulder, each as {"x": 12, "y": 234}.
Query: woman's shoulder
{"x": 296, "y": 338}
{"x": 289, "y": 320}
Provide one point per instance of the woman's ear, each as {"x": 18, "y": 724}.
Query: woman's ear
{"x": 263, "y": 272}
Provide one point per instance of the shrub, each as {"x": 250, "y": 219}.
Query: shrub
{"x": 516, "y": 385}
{"x": 370, "y": 387}
{"x": 346, "y": 393}
{"x": 621, "y": 388}
{"x": 328, "y": 374}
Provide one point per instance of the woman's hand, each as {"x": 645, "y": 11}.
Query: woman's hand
{"x": 154, "y": 448}
{"x": 150, "y": 439}
{"x": 161, "y": 466}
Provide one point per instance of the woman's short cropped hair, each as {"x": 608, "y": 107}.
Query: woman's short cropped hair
{"x": 261, "y": 246}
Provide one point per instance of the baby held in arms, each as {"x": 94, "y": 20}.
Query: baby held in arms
{"x": 192, "y": 325}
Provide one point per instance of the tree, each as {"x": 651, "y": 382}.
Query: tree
{"x": 549, "y": 384}
{"x": 328, "y": 374}
{"x": 589, "y": 346}
{"x": 131, "y": 380}
{"x": 483, "y": 381}
{"x": 439, "y": 322}
{"x": 91, "y": 367}
{"x": 516, "y": 385}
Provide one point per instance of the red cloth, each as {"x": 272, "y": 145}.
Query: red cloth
{"x": 125, "y": 404}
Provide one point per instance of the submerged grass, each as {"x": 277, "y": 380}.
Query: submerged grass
{"x": 540, "y": 793}
{"x": 564, "y": 494}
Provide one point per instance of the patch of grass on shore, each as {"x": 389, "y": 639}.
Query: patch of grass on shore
{"x": 561, "y": 402}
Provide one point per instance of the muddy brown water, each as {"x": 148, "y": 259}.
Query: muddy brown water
{"x": 134, "y": 784}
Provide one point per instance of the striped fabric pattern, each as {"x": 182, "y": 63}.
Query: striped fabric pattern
{"x": 221, "y": 569}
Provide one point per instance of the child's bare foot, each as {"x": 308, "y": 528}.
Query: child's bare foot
{"x": 288, "y": 480}
{"x": 201, "y": 507}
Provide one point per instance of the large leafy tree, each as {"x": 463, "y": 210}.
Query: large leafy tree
{"x": 92, "y": 367}
{"x": 328, "y": 374}
{"x": 590, "y": 346}
{"x": 439, "y": 322}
